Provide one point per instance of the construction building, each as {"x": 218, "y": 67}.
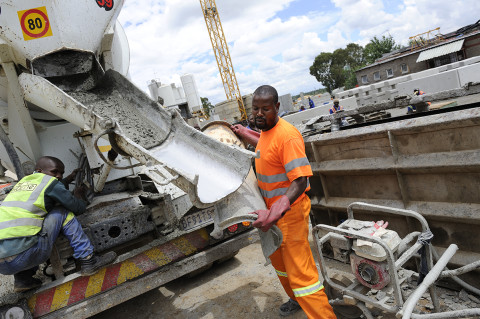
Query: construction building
{"x": 427, "y": 50}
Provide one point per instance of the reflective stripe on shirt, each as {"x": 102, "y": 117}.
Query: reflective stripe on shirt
{"x": 272, "y": 178}
{"x": 273, "y": 193}
{"x": 21, "y": 222}
{"x": 29, "y": 204}
{"x": 298, "y": 162}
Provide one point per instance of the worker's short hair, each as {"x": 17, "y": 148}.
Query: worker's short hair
{"x": 336, "y": 101}
{"x": 267, "y": 90}
{"x": 44, "y": 159}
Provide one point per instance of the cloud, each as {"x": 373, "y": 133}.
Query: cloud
{"x": 268, "y": 45}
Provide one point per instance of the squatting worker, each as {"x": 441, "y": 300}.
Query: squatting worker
{"x": 31, "y": 218}
{"x": 282, "y": 173}
{"x": 336, "y": 107}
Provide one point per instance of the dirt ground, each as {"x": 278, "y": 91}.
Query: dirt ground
{"x": 241, "y": 287}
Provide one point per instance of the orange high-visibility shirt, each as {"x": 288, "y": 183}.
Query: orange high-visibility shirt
{"x": 282, "y": 160}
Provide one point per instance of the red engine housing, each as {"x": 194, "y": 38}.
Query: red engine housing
{"x": 372, "y": 274}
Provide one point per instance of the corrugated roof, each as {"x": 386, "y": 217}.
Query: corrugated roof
{"x": 441, "y": 50}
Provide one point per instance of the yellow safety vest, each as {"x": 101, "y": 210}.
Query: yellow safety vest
{"x": 23, "y": 210}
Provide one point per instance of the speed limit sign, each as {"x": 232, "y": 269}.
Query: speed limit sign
{"x": 35, "y": 23}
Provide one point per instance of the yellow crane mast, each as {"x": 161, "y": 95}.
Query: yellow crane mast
{"x": 222, "y": 55}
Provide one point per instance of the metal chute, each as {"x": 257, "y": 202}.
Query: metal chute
{"x": 171, "y": 150}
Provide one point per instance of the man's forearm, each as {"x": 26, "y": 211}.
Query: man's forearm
{"x": 296, "y": 189}
{"x": 252, "y": 138}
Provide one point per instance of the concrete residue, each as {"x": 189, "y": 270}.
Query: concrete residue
{"x": 112, "y": 103}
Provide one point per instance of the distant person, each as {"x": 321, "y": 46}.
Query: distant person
{"x": 251, "y": 123}
{"x": 310, "y": 102}
{"x": 302, "y": 108}
{"x": 336, "y": 107}
{"x": 411, "y": 108}
{"x": 32, "y": 216}
{"x": 282, "y": 173}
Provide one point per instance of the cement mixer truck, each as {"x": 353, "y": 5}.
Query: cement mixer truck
{"x": 65, "y": 92}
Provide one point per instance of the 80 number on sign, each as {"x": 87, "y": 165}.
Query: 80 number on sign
{"x": 35, "y": 24}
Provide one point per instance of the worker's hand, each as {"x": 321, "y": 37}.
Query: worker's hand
{"x": 247, "y": 135}
{"x": 239, "y": 130}
{"x": 67, "y": 180}
{"x": 267, "y": 218}
{"x": 262, "y": 220}
{"x": 80, "y": 192}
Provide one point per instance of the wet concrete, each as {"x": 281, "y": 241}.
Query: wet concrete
{"x": 110, "y": 102}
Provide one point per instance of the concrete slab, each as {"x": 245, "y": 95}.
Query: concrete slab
{"x": 431, "y": 84}
{"x": 469, "y": 73}
{"x": 472, "y": 60}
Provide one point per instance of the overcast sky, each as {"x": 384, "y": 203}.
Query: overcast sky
{"x": 270, "y": 41}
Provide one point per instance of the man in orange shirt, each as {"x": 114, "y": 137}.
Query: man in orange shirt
{"x": 282, "y": 172}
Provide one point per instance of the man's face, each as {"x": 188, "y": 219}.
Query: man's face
{"x": 251, "y": 120}
{"x": 336, "y": 103}
{"x": 53, "y": 169}
{"x": 265, "y": 112}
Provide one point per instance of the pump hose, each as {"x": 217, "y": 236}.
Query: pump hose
{"x": 459, "y": 281}
{"x": 12, "y": 154}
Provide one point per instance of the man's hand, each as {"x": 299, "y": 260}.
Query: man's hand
{"x": 80, "y": 192}
{"x": 247, "y": 135}
{"x": 267, "y": 218}
{"x": 239, "y": 130}
{"x": 71, "y": 177}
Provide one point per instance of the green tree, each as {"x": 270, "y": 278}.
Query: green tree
{"x": 377, "y": 47}
{"x": 207, "y": 106}
{"x": 333, "y": 69}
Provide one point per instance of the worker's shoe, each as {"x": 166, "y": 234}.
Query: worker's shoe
{"x": 91, "y": 264}
{"x": 24, "y": 281}
{"x": 289, "y": 308}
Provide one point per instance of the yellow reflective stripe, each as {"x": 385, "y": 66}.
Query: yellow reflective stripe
{"x": 40, "y": 197}
{"x": 68, "y": 218}
{"x": 28, "y": 194}
{"x": 30, "y": 207}
{"x": 281, "y": 273}
{"x": 305, "y": 291}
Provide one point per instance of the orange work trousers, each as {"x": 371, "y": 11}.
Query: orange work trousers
{"x": 295, "y": 265}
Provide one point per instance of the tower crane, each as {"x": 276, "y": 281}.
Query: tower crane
{"x": 222, "y": 55}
